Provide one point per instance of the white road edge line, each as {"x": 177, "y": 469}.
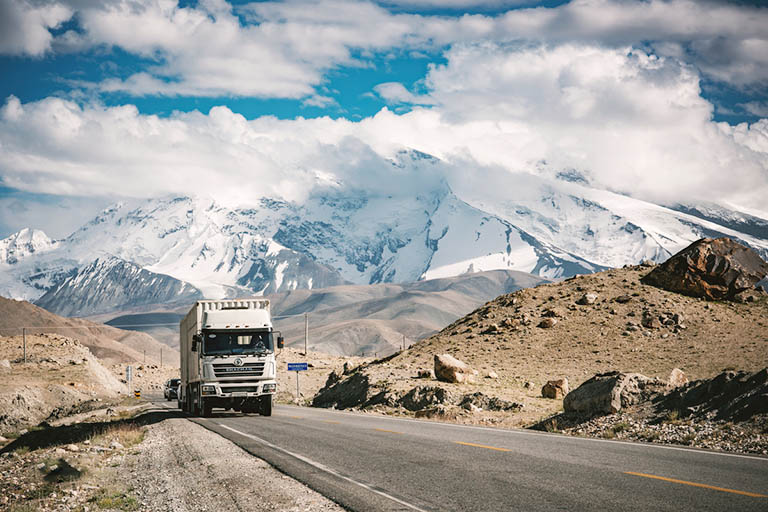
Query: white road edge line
{"x": 561, "y": 436}
{"x": 324, "y": 468}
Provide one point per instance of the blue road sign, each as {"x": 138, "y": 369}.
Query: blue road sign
{"x": 297, "y": 367}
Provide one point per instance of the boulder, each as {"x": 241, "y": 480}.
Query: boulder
{"x": 587, "y": 299}
{"x": 423, "y": 397}
{"x": 488, "y": 403}
{"x": 555, "y": 388}
{"x": 676, "y": 378}
{"x": 547, "y": 323}
{"x": 714, "y": 269}
{"x": 491, "y": 375}
{"x": 425, "y": 374}
{"x": 609, "y": 392}
{"x": 450, "y": 369}
{"x": 650, "y": 320}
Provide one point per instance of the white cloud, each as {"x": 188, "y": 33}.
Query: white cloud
{"x": 630, "y": 121}
{"x": 394, "y": 92}
{"x": 24, "y": 26}
{"x": 284, "y": 49}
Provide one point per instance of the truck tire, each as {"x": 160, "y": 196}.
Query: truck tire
{"x": 265, "y": 407}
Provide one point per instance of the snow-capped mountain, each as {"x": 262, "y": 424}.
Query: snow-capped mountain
{"x": 24, "y": 243}
{"x": 111, "y": 284}
{"x": 171, "y": 250}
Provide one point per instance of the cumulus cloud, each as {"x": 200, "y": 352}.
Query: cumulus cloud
{"x": 628, "y": 120}
{"x": 284, "y": 49}
{"x": 24, "y": 26}
{"x": 634, "y": 122}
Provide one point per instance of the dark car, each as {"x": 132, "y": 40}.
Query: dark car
{"x": 170, "y": 390}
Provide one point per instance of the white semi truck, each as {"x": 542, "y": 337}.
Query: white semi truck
{"x": 228, "y": 357}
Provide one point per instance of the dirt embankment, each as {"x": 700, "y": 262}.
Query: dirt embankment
{"x": 156, "y": 461}
{"x": 60, "y": 377}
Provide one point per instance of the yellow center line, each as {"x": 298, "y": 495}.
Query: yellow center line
{"x": 694, "y": 484}
{"x": 483, "y": 446}
{"x": 331, "y": 421}
{"x": 389, "y": 431}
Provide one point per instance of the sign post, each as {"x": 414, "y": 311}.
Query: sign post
{"x": 297, "y": 367}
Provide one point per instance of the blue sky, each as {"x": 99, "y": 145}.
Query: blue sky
{"x": 101, "y": 96}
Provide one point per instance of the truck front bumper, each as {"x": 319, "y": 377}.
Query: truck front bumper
{"x": 238, "y": 389}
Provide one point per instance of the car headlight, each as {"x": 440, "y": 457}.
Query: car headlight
{"x": 209, "y": 390}
{"x": 269, "y": 388}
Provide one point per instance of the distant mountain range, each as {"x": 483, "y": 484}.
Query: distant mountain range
{"x": 168, "y": 252}
{"x": 360, "y": 319}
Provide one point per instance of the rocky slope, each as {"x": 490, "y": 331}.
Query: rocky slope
{"x": 572, "y": 330}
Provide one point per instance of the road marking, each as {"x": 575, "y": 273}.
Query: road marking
{"x": 322, "y": 467}
{"x": 483, "y": 446}
{"x": 559, "y": 436}
{"x": 385, "y": 430}
{"x": 694, "y": 484}
{"x": 332, "y": 422}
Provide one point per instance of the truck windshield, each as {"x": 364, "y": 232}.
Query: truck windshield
{"x": 228, "y": 342}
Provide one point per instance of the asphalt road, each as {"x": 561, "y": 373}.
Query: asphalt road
{"x": 367, "y": 462}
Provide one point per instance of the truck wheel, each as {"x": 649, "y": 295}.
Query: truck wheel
{"x": 265, "y": 407}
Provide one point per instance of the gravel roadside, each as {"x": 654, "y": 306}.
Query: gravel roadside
{"x": 182, "y": 466}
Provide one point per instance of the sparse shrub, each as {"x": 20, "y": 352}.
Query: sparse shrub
{"x": 609, "y": 434}
{"x": 114, "y": 500}
{"x": 672, "y": 417}
{"x": 620, "y": 427}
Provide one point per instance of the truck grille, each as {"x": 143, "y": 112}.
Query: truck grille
{"x": 230, "y": 370}
{"x": 240, "y": 389}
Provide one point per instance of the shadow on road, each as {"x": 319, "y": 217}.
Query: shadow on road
{"x": 46, "y": 436}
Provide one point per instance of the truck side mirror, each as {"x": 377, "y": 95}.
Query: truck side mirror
{"x": 280, "y": 342}
{"x": 196, "y": 338}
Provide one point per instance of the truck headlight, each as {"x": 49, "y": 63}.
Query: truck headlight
{"x": 269, "y": 388}
{"x": 209, "y": 390}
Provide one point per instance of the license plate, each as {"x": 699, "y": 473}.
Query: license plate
{"x": 239, "y": 393}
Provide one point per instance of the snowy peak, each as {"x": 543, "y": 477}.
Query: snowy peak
{"x": 24, "y": 243}
{"x": 109, "y": 284}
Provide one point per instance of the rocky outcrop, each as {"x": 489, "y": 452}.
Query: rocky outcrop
{"x": 450, "y": 369}
{"x": 609, "y": 392}
{"x": 732, "y": 396}
{"x": 555, "y": 389}
{"x": 480, "y": 401}
{"x": 714, "y": 269}
{"x": 423, "y": 397}
{"x": 354, "y": 391}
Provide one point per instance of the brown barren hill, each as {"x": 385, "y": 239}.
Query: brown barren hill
{"x": 109, "y": 344}
{"x": 576, "y": 328}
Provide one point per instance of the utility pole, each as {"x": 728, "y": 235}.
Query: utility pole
{"x": 24, "y": 342}
{"x": 403, "y": 342}
{"x": 306, "y": 332}
{"x": 161, "y": 357}
{"x": 145, "y": 356}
